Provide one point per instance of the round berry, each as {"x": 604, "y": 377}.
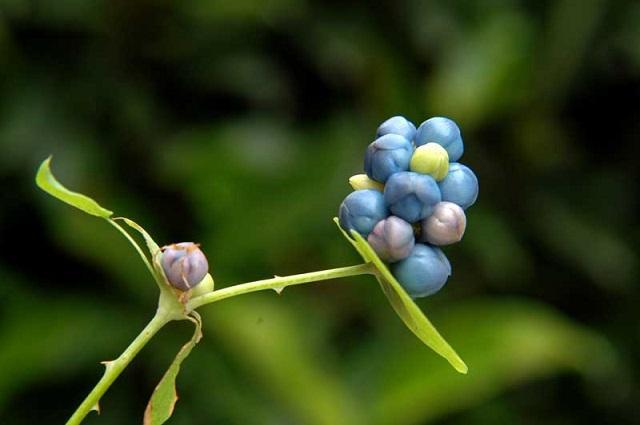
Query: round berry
{"x": 397, "y": 125}
{"x": 392, "y": 239}
{"x": 361, "y": 210}
{"x": 184, "y": 265}
{"x": 444, "y": 132}
{"x": 460, "y": 186}
{"x": 431, "y": 159}
{"x": 424, "y": 272}
{"x": 411, "y": 196}
{"x": 387, "y": 155}
{"x": 445, "y": 226}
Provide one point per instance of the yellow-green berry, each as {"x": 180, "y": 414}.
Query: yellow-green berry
{"x": 362, "y": 181}
{"x": 431, "y": 159}
{"x": 204, "y": 287}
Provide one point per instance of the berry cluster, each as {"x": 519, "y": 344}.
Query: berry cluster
{"x": 412, "y": 199}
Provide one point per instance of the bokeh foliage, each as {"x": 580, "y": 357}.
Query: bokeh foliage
{"x": 209, "y": 120}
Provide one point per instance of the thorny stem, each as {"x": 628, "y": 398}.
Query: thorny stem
{"x": 114, "y": 368}
{"x": 278, "y": 283}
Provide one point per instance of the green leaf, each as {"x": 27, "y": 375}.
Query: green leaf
{"x": 164, "y": 397}
{"x": 402, "y": 303}
{"x": 47, "y": 182}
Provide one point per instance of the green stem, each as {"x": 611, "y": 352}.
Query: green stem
{"x": 173, "y": 310}
{"x": 115, "y": 367}
{"x": 278, "y": 283}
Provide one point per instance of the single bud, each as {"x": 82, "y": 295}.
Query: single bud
{"x": 392, "y": 239}
{"x": 397, "y": 125}
{"x": 184, "y": 265}
{"x": 362, "y": 181}
{"x": 442, "y": 131}
{"x": 424, "y": 272}
{"x": 387, "y": 155}
{"x": 411, "y": 196}
{"x": 445, "y": 226}
{"x": 431, "y": 159}
{"x": 361, "y": 210}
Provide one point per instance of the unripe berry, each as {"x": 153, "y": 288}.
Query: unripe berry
{"x": 362, "y": 181}
{"x": 387, "y": 155}
{"x": 392, "y": 239}
{"x": 184, "y": 265}
{"x": 444, "y": 132}
{"x": 361, "y": 210}
{"x": 460, "y": 186}
{"x": 431, "y": 159}
{"x": 411, "y": 196}
{"x": 424, "y": 272}
{"x": 397, "y": 125}
{"x": 445, "y": 226}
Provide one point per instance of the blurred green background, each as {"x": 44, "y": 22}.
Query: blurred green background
{"x": 237, "y": 124}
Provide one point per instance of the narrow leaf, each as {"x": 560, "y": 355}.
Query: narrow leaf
{"x": 164, "y": 397}
{"x": 404, "y": 306}
{"x": 154, "y": 251}
{"x": 47, "y": 182}
{"x": 151, "y": 244}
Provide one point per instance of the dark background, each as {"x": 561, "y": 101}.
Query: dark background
{"x": 237, "y": 124}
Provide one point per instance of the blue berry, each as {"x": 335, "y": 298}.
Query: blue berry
{"x": 184, "y": 265}
{"x": 392, "y": 239}
{"x": 460, "y": 186}
{"x": 411, "y": 196}
{"x": 387, "y": 155}
{"x": 361, "y": 210}
{"x": 424, "y": 272}
{"x": 445, "y": 226}
{"x": 442, "y": 131}
{"x": 397, "y": 125}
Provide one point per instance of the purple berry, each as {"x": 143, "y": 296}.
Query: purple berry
{"x": 184, "y": 264}
{"x": 445, "y": 226}
{"x": 392, "y": 239}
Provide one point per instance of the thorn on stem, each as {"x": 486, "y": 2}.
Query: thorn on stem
{"x": 96, "y": 408}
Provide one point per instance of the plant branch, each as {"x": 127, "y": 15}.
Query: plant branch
{"x": 278, "y": 283}
{"x": 115, "y": 367}
{"x": 173, "y": 310}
